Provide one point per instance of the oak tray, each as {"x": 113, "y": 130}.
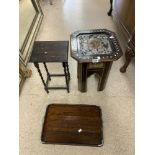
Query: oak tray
{"x": 73, "y": 125}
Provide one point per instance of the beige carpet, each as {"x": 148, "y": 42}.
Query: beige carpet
{"x": 116, "y": 101}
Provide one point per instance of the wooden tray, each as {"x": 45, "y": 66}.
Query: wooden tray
{"x": 73, "y": 125}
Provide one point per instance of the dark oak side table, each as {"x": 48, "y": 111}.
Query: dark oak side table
{"x": 48, "y": 52}
{"x": 95, "y": 50}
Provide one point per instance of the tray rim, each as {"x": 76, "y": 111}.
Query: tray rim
{"x": 73, "y": 144}
{"x": 113, "y": 41}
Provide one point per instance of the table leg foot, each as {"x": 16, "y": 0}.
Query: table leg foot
{"x": 46, "y": 90}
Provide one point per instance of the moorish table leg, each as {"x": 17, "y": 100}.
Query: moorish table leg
{"x": 129, "y": 54}
{"x": 48, "y": 74}
{"x": 82, "y": 77}
{"x": 104, "y": 76}
{"x": 37, "y": 66}
{"x": 110, "y": 11}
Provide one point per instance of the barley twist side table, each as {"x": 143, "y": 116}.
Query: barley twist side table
{"x": 48, "y": 52}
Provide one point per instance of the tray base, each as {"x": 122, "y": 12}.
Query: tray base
{"x": 73, "y": 125}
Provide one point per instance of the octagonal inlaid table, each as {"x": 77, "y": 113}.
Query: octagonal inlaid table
{"x": 95, "y": 50}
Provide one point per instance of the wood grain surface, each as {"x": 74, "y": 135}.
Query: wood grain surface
{"x": 50, "y": 51}
{"x": 72, "y": 124}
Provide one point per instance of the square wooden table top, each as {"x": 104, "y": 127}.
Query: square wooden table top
{"x": 50, "y": 51}
{"x": 73, "y": 125}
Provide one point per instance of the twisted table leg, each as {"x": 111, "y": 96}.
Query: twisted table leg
{"x": 37, "y": 66}
{"x": 48, "y": 74}
{"x": 68, "y": 73}
{"x": 66, "y": 78}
